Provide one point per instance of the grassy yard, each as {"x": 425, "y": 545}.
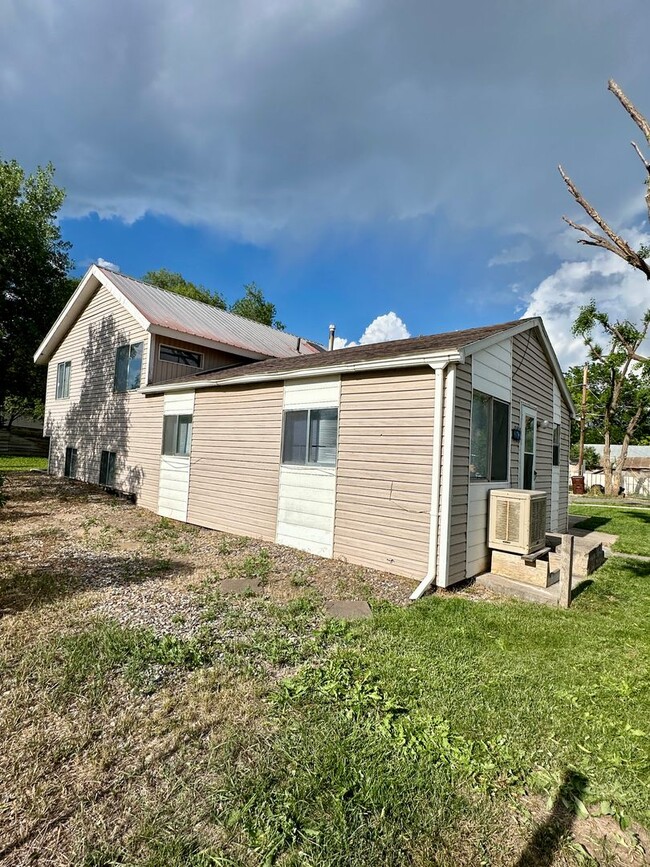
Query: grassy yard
{"x": 455, "y": 731}
{"x": 632, "y": 526}
{"x": 9, "y": 464}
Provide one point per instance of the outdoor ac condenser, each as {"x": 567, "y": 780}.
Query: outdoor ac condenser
{"x": 517, "y": 520}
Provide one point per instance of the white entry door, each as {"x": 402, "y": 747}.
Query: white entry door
{"x": 528, "y": 449}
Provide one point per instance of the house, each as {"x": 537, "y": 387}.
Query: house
{"x": 382, "y": 454}
{"x": 635, "y": 478}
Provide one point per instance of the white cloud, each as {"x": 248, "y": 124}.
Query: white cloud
{"x": 617, "y": 288}
{"x": 388, "y": 326}
{"x": 521, "y": 252}
{"x": 104, "y": 263}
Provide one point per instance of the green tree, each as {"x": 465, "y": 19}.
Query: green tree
{"x": 174, "y": 282}
{"x": 590, "y": 456}
{"x": 254, "y": 306}
{"x": 619, "y": 384}
{"x": 34, "y": 262}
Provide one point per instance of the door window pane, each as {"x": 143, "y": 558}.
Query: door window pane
{"x": 528, "y": 471}
{"x": 529, "y": 434}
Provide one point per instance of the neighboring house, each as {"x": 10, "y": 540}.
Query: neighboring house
{"x": 636, "y": 469}
{"x": 383, "y": 455}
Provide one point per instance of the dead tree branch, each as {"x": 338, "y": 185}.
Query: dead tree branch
{"x": 615, "y": 244}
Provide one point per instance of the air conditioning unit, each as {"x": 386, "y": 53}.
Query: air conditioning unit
{"x": 517, "y": 520}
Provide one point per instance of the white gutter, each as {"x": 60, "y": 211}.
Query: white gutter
{"x": 438, "y": 406}
{"x": 429, "y": 358}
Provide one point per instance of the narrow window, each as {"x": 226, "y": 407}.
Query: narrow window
{"x": 489, "y": 438}
{"x": 310, "y": 437}
{"x": 107, "y": 469}
{"x": 176, "y": 355}
{"x": 556, "y": 445}
{"x": 177, "y": 435}
{"x": 63, "y": 379}
{"x": 128, "y": 367}
{"x": 70, "y": 470}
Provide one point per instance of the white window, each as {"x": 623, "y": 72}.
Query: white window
{"x": 63, "y": 379}
{"x": 107, "y": 469}
{"x": 310, "y": 437}
{"x": 176, "y": 355}
{"x": 490, "y": 438}
{"x": 177, "y": 435}
{"x": 128, "y": 367}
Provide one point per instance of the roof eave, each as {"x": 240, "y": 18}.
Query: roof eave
{"x": 433, "y": 359}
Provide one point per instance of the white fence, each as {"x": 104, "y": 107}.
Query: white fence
{"x": 634, "y": 483}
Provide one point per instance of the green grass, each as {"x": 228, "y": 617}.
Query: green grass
{"x": 632, "y": 526}
{"x": 11, "y": 464}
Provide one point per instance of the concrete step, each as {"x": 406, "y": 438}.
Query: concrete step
{"x": 586, "y": 558}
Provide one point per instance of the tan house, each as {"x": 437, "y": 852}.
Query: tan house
{"x": 383, "y": 455}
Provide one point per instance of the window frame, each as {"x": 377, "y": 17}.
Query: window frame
{"x": 70, "y": 464}
{"x": 63, "y": 384}
{"x": 557, "y": 433}
{"x": 489, "y": 440}
{"x": 308, "y": 447}
{"x": 128, "y": 347}
{"x": 175, "y": 419}
{"x": 109, "y": 475}
{"x": 173, "y": 349}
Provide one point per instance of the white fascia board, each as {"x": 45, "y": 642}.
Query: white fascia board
{"x": 162, "y": 331}
{"x": 430, "y": 358}
{"x": 90, "y": 283}
{"x": 526, "y": 325}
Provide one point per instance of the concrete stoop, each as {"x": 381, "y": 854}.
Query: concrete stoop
{"x": 526, "y": 592}
{"x": 588, "y": 555}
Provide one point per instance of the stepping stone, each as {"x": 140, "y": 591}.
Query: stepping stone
{"x": 348, "y": 609}
{"x": 237, "y": 586}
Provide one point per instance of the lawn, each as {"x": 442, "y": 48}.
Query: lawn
{"x": 252, "y": 730}
{"x": 632, "y": 526}
{"x": 9, "y": 464}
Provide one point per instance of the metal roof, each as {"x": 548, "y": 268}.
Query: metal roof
{"x": 168, "y": 310}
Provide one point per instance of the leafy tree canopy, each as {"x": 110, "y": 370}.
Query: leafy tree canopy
{"x": 34, "y": 262}
{"x": 174, "y": 282}
{"x": 254, "y": 306}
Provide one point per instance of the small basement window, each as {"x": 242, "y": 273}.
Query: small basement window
{"x": 556, "y": 445}
{"x": 63, "y": 379}
{"x": 128, "y": 367}
{"x": 70, "y": 469}
{"x": 177, "y": 435}
{"x": 176, "y": 355}
{"x": 310, "y": 437}
{"x": 490, "y": 439}
{"x": 107, "y": 469}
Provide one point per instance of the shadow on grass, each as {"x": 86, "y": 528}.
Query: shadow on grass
{"x": 581, "y": 588}
{"x": 67, "y": 574}
{"x": 551, "y": 834}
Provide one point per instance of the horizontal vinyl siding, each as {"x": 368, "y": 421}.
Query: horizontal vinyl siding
{"x": 532, "y": 386}
{"x": 312, "y": 393}
{"x": 383, "y": 491}
{"x": 174, "y": 486}
{"x": 93, "y": 418}
{"x": 492, "y": 370}
{"x": 235, "y": 459}
{"x": 460, "y": 474}
{"x": 163, "y": 371}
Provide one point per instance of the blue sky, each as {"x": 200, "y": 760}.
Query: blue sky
{"x": 353, "y": 158}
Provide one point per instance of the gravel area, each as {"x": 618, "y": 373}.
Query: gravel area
{"x": 58, "y": 536}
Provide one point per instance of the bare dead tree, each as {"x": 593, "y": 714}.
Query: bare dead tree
{"x": 622, "y": 362}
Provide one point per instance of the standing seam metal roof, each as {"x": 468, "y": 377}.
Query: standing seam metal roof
{"x": 169, "y": 310}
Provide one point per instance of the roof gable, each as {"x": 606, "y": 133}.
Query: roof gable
{"x": 172, "y": 315}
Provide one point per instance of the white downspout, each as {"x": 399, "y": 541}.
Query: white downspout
{"x": 447, "y": 474}
{"x": 436, "y": 465}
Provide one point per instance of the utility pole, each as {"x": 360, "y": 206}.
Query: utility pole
{"x": 583, "y": 418}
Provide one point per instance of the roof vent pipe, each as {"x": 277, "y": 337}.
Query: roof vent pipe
{"x": 332, "y": 333}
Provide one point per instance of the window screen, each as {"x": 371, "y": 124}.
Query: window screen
{"x": 490, "y": 438}
{"x": 180, "y": 356}
{"x": 70, "y": 469}
{"x": 107, "y": 469}
{"x": 177, "y": 434}
{"x": 128, "y": 367}
{"x": 310, "y": 437}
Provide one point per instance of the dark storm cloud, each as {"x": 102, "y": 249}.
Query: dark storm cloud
{"x": 287, "y": 117}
